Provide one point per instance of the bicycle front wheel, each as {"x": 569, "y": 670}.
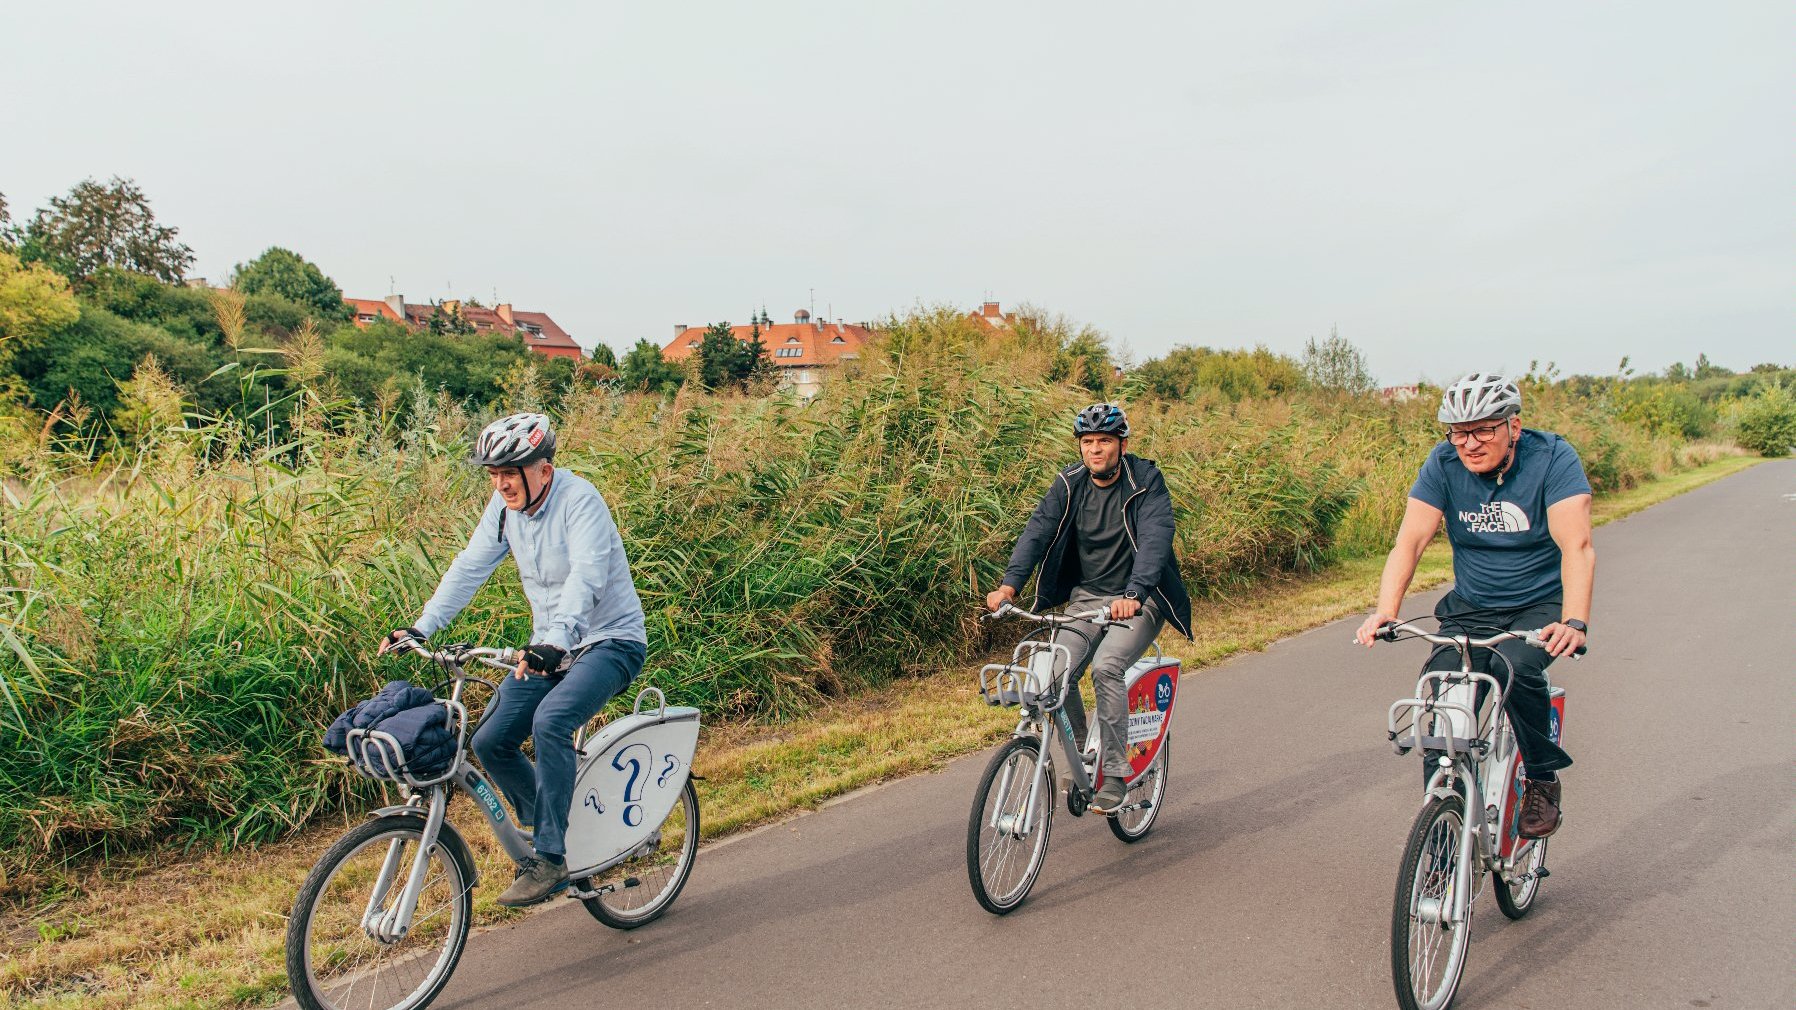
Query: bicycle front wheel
{"x": 338, "y": 957}
{"x": 1007, "y": 834}
{"x": 1428, "y": 949}
{"x": 1141, "y": 805}
{"x": 636, "y": 891}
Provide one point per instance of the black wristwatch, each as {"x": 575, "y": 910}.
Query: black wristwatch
{"x": 1130, "y": 594}
{"x": 1576, "y": 625}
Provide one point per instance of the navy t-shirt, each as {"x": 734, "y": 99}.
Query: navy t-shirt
{"x": 1503, "y": 556}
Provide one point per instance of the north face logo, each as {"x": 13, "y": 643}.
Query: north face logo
{"x": 1496, "y": 517}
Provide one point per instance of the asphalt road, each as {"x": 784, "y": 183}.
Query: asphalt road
{"x": 1268, "y": 879}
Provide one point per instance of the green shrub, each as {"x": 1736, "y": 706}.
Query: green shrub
{"x": 1766, "y": 421}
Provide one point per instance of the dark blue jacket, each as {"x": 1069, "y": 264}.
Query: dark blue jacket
{"x": 1147, "y": 519}
{"x": 413, "y": 717}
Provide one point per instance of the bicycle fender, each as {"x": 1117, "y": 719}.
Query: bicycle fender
{"x": 447, "y": 836}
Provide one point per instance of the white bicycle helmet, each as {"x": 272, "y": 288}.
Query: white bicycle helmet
{"x": 514, "y": 441}
{"x": 1480, "y": 396}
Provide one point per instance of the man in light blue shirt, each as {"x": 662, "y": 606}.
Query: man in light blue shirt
{"x": 587, "y": 642}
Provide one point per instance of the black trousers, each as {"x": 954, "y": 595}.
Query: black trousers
{"x": 1530, "y": 708}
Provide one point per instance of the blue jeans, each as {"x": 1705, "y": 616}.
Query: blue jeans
{"x": 551, "y": 709}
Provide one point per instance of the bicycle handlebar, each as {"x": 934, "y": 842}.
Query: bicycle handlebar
{"x": 1395, "y": 632}
{"x": 1100, "y": 617}
{"x": 456, "y": 655}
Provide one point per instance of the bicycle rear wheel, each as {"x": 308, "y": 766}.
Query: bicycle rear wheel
{"x": 1428, "y": 950}
{"x": 335, "y": 963}
{"x": 1146, "y": 795}
{"x": 1003, "y": 860}
{"x": 1515, "y": 899}
{"x": 643, "y": 886}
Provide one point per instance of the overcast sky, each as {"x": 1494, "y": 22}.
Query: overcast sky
{"x": 1453, "y": 185}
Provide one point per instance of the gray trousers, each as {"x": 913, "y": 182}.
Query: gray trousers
{"x": 1116, "y": 651}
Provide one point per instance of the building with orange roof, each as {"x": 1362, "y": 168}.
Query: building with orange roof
{"x": 989, "y": 315}
{"x": 539, "y": 332}
{"x": 805, "y": 351}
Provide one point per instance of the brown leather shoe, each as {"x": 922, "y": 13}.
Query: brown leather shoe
{"x": 1540, "y": 809}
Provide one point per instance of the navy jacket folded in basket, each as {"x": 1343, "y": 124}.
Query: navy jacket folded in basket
{"x": 412, "y": 716}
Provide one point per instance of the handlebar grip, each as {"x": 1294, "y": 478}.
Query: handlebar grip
{"x": 1386, "y": 632}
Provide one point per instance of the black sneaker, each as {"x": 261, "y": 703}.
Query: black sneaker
{"x": 1109, "y": 796}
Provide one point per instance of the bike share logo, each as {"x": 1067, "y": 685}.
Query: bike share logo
{"x": 1496, "y": 517}
{"x": 1163, "y": 692}
{"x": 1553, "y": 724}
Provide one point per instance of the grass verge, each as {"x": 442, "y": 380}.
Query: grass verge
{"x": 206, "y": 931}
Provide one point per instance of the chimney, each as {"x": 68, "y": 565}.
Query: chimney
{"x": 503, "y": 311}
{"x": 451, "y": 305}
{"x": 397, "y": 304}
{"x": 679, "y": 328}
{"x": 989, "y": 310}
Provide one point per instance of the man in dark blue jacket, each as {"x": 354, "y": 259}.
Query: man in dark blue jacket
{"x": 1102, "y": 537}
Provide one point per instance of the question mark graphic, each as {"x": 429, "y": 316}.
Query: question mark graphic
{"x": 667, "y": 772}
{"x": 592, "y": 800}
{"x": 633, "y": 789}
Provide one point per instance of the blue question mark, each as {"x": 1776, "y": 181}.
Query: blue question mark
{"x": 667, "y": 771}
{"x": 633, "y": 789}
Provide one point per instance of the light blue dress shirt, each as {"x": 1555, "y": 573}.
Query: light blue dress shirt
{"x": 570, "y": 560}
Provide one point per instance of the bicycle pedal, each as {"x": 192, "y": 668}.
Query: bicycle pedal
{"x": 1543, "y": 872}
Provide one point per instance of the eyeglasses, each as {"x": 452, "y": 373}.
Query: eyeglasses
{"x": 1484, "y": 433}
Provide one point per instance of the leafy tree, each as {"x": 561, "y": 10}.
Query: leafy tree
{"x": 644, "y": 368}
{"x": 448, "y": 319}
{"x": 291, "y": 276}
{"x": 467, "y": 366}
{"x": 601, "y": 354}
{"x": 1705, "y": 370}
{"x": 1188, "y": 373}
{"x": 34, "y": 302}
{"x": 7, "y": 241}
{"x": 756, "y": 360}
{"x": 722, "y": 359}
{"x": 97, "y": 226}
{"x": 1084, "y": 361}
{"x": 1336, "y": 365}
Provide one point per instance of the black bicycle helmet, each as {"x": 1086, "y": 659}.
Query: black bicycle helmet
{"x": 514, "y": 441}
{"x": 1101, "y": 419}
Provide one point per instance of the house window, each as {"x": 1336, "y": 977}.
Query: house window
{"x": 791, "y": 340}
{"x": 691, "y": 343}
{"x": 364, "y": 317}
{"x": 837, "y": 340}
{"x": 533, "y": 329}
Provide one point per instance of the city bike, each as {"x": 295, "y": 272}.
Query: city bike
{"x": 1467, "y": 830}
{"x": 383, "y": 917}
{"x": 1013, "y": 807}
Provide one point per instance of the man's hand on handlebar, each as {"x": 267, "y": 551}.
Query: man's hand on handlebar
{"x": 1559, "y": 639}
{"x": 542, "y": 659}
{"x": 1368, "y": 629}
{"x": 998, "y": 597}
{"x": 400, "y": 640}
{"x": 1123, "y": 609}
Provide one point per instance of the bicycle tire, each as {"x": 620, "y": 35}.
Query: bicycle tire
{"x": 1430, "y": 864}
{"x": 610, "y": 908}
{"x": 1516, "y": 901}
{"x": 1151, "y": 788}
{"x": 344, "y": 975}
{"x": 1023, "y": 756}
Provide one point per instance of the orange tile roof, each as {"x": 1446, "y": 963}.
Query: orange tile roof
{"x": 371, "y": 307}
{"x": 788, "y": 344}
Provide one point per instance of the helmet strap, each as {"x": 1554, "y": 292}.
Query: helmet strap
{"x": 531, "y": 500}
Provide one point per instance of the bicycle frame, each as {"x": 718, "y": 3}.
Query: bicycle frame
{"x": 1028, "y": 679}
{"x": 429, "y": 797}
{"x": 1444, "y": 717}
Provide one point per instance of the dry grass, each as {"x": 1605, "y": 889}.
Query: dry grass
{"x": 207, "y": 930}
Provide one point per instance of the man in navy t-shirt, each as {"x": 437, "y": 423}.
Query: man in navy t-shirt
{"x": 1517, "y": 509}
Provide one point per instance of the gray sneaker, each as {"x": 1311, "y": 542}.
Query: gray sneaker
{"x": 1109, "y": 796}
{"x": 537, "y": 880}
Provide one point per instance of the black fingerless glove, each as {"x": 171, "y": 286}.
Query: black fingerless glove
{"x": 544, "y": 659}
{"x": 404, "y": 635}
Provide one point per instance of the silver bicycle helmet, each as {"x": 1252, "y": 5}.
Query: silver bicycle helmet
{"x": 1101, "y": 419}
{"x": 1480, "y": 396}
{"x": 515, "y": 441}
